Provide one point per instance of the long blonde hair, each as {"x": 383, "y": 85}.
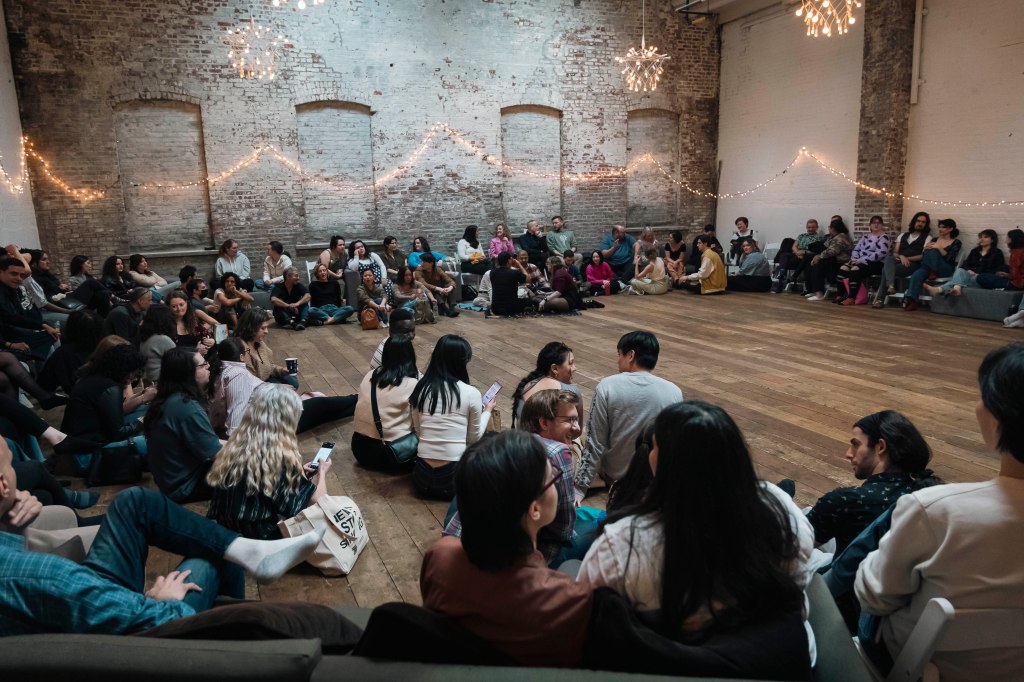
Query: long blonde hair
{"x": 264, "y": 448}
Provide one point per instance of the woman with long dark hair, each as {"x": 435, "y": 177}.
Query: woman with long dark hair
{"x": 78, "y": 340}
{"x": 493, "y": 580}
{"x": 392, "y": 257}
{"x": 361, "y": 259}
{"x": 907, "y": 255}
{"x": 96, "y": 407}
{"x": 182, "y": 441}
{"x": 420, "y": 246}
{"x": 392, "y": 385}
{"x": 709, "y": 545}
{"x": 143, "y": 276}
{"x": 471, "y": 254}
{"x": 553, "y": 370}
{"x": 940, "y": 258}
{"x": 190, "y": 328}
{"x": 600, "y": 276}
{"x": 825, "y": 265}
{"x": 448, "y": 415}
{"x": 984, "y": 259}
{"x": 114, "y": 277}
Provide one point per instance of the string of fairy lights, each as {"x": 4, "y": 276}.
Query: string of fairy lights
{"x": 16, "y": 184}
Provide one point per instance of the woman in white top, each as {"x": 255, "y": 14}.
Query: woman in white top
{"x": 448, "y": 415}
{"x": 393, "y": 384}
{"x": 471, "y": 254}
{"x": 233, "y": 260}
{"x": 735, "y": 548}
{"x": 142, "y": 276}
{"x": 274, "y": 265}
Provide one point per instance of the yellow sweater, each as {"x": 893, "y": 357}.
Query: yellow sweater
{"x": 712, "y": 273}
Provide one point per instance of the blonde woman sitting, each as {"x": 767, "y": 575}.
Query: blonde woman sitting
{"x": 258, "y": 477}
{"x": 650, "y": 278}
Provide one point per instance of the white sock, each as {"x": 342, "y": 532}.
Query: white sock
{"x": 268, "y": 560}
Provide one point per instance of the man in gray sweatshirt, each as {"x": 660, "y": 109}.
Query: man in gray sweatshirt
{"x": 623, "y": 405}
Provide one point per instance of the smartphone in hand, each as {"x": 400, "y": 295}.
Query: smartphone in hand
{"x": 323, "y": 453}
{"x": 491, "y": 392}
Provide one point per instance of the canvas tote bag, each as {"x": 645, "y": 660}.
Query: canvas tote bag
{"x": 344, "y": 540}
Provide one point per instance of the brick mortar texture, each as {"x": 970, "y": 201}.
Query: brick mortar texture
{"x": 411, "y": 63}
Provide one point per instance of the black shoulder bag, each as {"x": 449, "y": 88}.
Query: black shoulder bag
{"x": 391, "y": 455}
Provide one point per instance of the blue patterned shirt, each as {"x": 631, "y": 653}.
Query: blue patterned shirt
{"x": 47, "y": 593}
{"x": 553, "y": 537}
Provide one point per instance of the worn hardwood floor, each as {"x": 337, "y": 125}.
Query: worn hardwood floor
{"x": 794, "y": 375}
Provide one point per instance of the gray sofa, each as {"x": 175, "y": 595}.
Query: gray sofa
{"x": 980, "y": 304}
{"x": 111, "y": 658}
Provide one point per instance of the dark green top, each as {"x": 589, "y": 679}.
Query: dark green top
{"x": 181, "y": 446}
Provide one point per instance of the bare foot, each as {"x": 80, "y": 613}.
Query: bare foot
{"x": 933, "y": 291}
{"x": 955, "y": 291}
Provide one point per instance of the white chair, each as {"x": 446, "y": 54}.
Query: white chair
{"x": 771, "y": 250}
{"x": 941, "y": 628}
{"x": 310, "y": 266}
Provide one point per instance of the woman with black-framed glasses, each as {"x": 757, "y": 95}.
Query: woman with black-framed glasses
{"x": 493, "y": 580}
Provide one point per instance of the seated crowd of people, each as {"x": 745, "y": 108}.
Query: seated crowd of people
{"x": 692, "y": 545}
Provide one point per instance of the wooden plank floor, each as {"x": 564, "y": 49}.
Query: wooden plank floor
{"x": 794, "y": 375}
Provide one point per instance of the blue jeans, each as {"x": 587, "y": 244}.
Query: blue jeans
{"x": 931, "y": 262}
{"x": 82, "y": 462}
{"x": 338, "y": 313}
{"x": 381, "y": 315}
{"x": 285, "y": 316}
{"x": 138, "y": 518}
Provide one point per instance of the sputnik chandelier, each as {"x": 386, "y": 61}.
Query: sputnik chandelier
{"x": 827, "y": 17}
{"x": 301, "y": 4}
{"x": 644, "y": 66}
{"x": 253, "y": 50}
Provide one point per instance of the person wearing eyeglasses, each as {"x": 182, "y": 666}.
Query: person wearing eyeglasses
{"x": 553, "y": 416}
{"x": 493, "y": 580}
{"x": 182, "y": 440}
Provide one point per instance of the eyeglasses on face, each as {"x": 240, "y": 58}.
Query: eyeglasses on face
{"x": 556, "y": 476}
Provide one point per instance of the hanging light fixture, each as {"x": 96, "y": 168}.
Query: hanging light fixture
{"x": 301, "y": 4}
{"x": 644, "y": 66}
{"x": 824, "y": 17}
{"x": 254, "y": 49}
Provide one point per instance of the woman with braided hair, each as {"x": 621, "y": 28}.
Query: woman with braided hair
{"x": 554, "y": 370}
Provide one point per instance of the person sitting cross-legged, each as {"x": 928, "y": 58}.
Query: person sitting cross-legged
{"x": 371, "y": 295}
{"x": 325, "y": 299}
{"x": 505, "y": 282}
{"x": 291, "y": 301}
{"x": 104, "y": 594}
{"x": 710, "y": 278}
{"x": 439, "y": 283}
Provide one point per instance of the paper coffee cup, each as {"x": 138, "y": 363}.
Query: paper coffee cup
{"x": 292, "y": 365}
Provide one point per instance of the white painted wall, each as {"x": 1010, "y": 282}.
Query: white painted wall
{"x": 966, "y": 138}
{"x": 17, "y": 215}
{"x": 782, "y": 90}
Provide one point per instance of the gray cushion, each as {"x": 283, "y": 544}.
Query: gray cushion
{"x": 980, "y": 304}
{"x": 114, "y": 657}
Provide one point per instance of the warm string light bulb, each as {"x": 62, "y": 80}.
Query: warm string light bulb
{"x": 644, "y": 66}
{"x": 825, "y": 18}
{"x": 85, "y": 195}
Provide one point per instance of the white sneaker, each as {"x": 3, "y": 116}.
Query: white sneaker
{"x": 1015, "y": 320}
{"x": 809, "y": 294}
{"x": 815, "y": 298}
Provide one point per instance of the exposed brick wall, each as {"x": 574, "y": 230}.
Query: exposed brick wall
{"x": 335, "y": 143}
{"x": 531, "y": 139}
{"x": 652, "y": 198}
{"x": 884, "y": 109}
{"x": 413, "y": 63}
{"x": 17, "y": 218}
{"x": 156, "y": 140}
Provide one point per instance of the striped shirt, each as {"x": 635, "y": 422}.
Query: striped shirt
{"x": 256, "y": 516}
{"x": 233, "y": 392}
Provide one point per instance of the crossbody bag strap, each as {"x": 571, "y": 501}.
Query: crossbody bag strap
{"x": 376, "y": 411}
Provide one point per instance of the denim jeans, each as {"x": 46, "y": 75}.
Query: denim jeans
{"x": 284, "y": 316}
{"x": 932, "y": 262}
{"x": 83, "y": 462}
{"x": 138, "y": 518}
{"x": 338, "y": 313}
{"x": 437, "y": 483}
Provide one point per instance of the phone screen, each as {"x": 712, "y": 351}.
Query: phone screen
{"x": 491, "y": 392}
{"x": 323, "y": 453}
